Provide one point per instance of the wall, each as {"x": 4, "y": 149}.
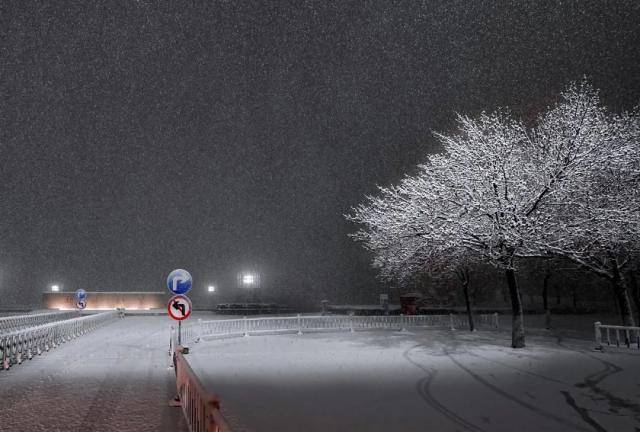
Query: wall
{"x": 107, "y": 300}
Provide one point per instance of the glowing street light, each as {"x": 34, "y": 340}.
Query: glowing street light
{"x": 55, "y": 288}
{"x": 250, "y": 283}
{"x": 211, "y": 288}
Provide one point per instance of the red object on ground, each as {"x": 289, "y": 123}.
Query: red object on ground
{"x": 409, "y": 303}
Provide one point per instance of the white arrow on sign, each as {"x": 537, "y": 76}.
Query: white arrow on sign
{"x": 176, "y": 281}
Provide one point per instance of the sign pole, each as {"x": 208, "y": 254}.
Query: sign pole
{"x": 180, "y": 333}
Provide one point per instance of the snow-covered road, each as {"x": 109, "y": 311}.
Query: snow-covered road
{"x": 113, "y": 379}
{"x": 425, "y": 381}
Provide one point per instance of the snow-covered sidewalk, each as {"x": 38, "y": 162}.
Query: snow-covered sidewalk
{"x": 112, "y": 379}
{"x": 425, "y": 380}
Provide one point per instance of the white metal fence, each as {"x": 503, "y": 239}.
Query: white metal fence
{"x": 612, "y": 334}
{"x": 16, "y": 322}
{"x": 304, "y": 324}
{"x": 21, "y": 344}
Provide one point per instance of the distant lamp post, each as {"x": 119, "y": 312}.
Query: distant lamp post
{"x": 211, "y": 289}
{"x": 55, "y": 288}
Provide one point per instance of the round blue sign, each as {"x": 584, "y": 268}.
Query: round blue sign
{"x": 179, "y": 281}
{"x": 81, "y": 294}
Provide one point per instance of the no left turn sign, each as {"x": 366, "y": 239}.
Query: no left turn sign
{"x": 179, "y": 307}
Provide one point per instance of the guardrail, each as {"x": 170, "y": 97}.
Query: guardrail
{"x": 16, "y": 322}
{"x": 23, "y": 344}
{"x": 201, "y": 408}
{"x": 627, "y": 332}
{"x": 301, "y": 324}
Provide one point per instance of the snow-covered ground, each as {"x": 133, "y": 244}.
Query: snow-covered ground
{"x": 116, "y": 378}
{"x": 426, "y": 380}
{"x": 113, "y": 379}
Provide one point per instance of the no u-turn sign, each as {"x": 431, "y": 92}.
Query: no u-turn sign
{"x": 179, "y": 307}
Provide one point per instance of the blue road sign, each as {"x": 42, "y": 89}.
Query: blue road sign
{"x": 179, "y": 281}
{"x": 81, "y": 294}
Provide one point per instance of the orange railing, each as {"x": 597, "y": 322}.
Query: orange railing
{"x": 200, "y": 408}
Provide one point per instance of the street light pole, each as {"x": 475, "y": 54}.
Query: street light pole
{"x": 211, "y": 289}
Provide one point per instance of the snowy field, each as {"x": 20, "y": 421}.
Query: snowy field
{"x": 420, "y": 381}
{"x": 112, "y": 379}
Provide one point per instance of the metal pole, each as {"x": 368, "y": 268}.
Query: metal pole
{"x": 598, "y": 332}
{"x": 180, "y": 333}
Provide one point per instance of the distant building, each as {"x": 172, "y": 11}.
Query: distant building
{"x": 107, "y": 300}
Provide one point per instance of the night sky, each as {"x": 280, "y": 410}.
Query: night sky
{"x": 137, "y": 136}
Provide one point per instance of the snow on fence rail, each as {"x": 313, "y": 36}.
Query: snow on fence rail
{"x": 16, "y": 322}
{"x": 23, "y": 344}
{"x": 630, "y": 334}
{"x": 300, "y": 324}
{"x": 201, "y": 409}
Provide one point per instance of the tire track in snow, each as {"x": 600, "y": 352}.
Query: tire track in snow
{"x": 543, "y": 413}
{"x": 524, "y": 371}
{"x": 582, "y": 412}
{"x": 114, "y": 387}
{"x": 591, "y": 382}
{"x": 423, "y": 388}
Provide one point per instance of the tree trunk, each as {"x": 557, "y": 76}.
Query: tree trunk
{"x": 622, "y": 295}
{"x": 465, "y": 288}
{"x": 517, "y": 332}
{"x": 545, "y": 299}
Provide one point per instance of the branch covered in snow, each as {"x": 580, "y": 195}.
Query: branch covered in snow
{"x": 500, "y": 191}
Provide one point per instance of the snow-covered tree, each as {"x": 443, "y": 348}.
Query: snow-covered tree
{"x": 592, "y": 214}
{"x": 504, "y": 192}
{"x": 471, "y": 197}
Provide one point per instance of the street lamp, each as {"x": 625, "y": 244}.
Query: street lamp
{"x": 249, "y": 282}
{"x": 211, "y": 288}
{"x": 55, "y": 288}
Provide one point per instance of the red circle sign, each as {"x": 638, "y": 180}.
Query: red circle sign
{"x": 179, "y": 307}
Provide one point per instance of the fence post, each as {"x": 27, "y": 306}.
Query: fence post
{"x": 5, "y": 359}
{"x": 244, "y": 324}
{"x": 628, "y": 339}
{"x": 299, "y": 325}
{"x": 496, "y": 321}
{"x": 199, "y": 330}
{"x": 351, "y": 322}
{"x": 451, "y": 327}
{"x": 171, "y": 347}
{"x": 598, "y": 332}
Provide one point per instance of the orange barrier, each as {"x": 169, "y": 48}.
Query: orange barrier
{"x": 200, "y": 408}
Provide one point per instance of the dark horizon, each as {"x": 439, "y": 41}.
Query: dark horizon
{"x": 139, "y": 138}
